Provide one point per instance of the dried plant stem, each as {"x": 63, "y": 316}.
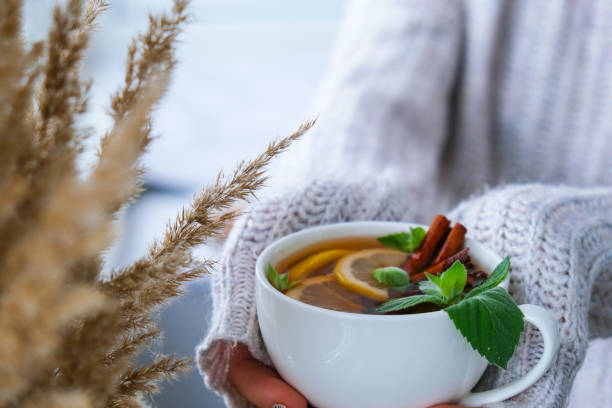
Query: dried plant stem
{"x": 59, "y": 399}
{"x": 148, "y": 282}
{"x": 18, "y": 72}
{"x": 50, "y": 148}
{"x": 94, "y": 9}
{"x": 68, "y": 339}
{"x": 198, "y": 222}
{"x": 144, "y": 379}
{"x": 62, "y": 91}
{"x": 150, "y": 57}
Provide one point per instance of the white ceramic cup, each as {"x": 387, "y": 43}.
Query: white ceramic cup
{"x": 339, "y": 360}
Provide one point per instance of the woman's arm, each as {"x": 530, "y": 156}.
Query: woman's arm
{"x": 385, "y": 100}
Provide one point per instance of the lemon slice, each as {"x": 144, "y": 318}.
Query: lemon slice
{"x": 315, "y": 262}
{"x": 354, "y": 271}
{"x": 324, "y": 291}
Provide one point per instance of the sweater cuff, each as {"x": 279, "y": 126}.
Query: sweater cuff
{"x": 234, "y": 319}
{"x": 213, "y": 362}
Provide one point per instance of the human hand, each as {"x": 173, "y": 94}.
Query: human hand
{"x": 262, "y": 386}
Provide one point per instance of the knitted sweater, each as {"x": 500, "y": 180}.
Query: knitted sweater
{"x": 559, "y": 240}
{"x": 439, "y": 99}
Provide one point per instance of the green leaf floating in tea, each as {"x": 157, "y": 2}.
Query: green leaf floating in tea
{"x": 451, "y": 283}
{"x": 391, "y": 276}
{"x": 279, "y": 280}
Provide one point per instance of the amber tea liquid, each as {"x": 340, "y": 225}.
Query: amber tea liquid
{"x": 326, "y": 292}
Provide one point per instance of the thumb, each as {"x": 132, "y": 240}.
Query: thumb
{"x": 259, "y": 384}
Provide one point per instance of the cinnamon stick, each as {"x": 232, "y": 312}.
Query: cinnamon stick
{"x": 476, "y": 276}
{"x": 438, "y": 229}
{"x": 452, "y": 244}
{"x": 461, "y": 256}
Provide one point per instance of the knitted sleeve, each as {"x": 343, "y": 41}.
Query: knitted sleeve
{"x": 233, "y": 286}
{"x": 560, "y": 244}
{"x": 384, "y": 101}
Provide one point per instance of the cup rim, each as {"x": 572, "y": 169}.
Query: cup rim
{"x": 263, "y": 283}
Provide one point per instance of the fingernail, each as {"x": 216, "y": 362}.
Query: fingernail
{"x": 278, "y": 406}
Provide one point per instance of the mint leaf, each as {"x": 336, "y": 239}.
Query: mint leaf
{"x": 391, "y": 276}
{"x": 449, "y": 285}
{"x": 279, "y": 281}
{"x": 407, "y": 302}
{"x": 435, "y": 279}
{"x": 283, "y": 281}
{"x": 430, "y": 288}
{"x": 497, "y": 276}
{"x": 491, "y": 322}
{"x": 418, "y": 234}
{"x": 453, "y": 280}
{"x": 272, "y": 275}
{"x": 404, "y": 241}
{"x": 292, "y": 284}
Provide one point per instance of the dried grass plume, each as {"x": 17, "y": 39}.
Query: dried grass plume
{"x": 68, "y": 339}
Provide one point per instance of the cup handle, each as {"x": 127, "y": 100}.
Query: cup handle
{"x": 544, "y": 321}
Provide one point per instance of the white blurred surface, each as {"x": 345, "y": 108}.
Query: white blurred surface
{"x": 247, "y": 73}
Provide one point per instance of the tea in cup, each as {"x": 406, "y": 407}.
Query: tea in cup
{"x": 327, "y": 337}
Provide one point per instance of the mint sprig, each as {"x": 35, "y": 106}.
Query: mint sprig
{"x": 404, "y": 241}
{"x": 487, "y": 316}
{"x": 497, "y": 276}
{"x": 451, "y": 282}
{"x": 279, "y": 280}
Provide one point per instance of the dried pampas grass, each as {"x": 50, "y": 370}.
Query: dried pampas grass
{"x": 67, "y": 338}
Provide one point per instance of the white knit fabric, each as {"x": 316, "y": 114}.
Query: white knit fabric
{"x": 439, "y": 99}
{"x": 560, "y": 243}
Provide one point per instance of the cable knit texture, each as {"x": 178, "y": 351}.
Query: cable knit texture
{"x": 442, "y": 98}
{"x": 560, "y": 243}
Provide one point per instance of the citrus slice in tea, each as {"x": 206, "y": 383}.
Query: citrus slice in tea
{"x": 324, "y": 291}
{"x": 315, "y": 262}
{"x": 354, "y": 271}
